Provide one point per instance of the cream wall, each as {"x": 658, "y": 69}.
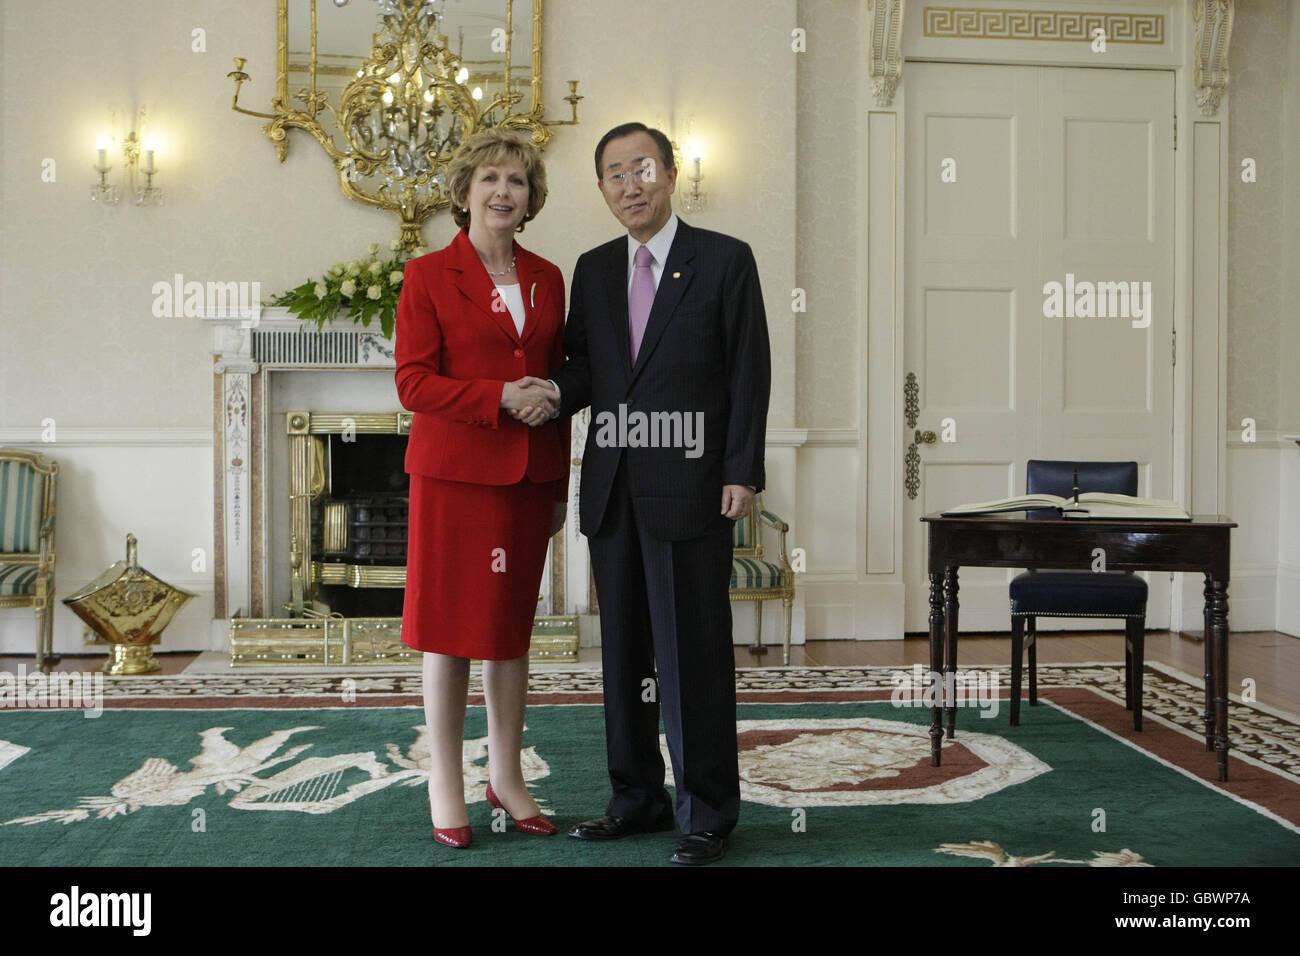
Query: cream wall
{"x": 1289, "y": 313}
{"x": 1288, "y": 592}
{"x": 235, "y": 213}
{"x": 130, "y": 395}
{"x": 1257, "y": 62}
{"x": 828, "y": 236}
{"x": 1263, "y": 477}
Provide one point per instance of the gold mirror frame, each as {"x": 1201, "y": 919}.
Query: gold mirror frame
{"x": 434, "y": 60}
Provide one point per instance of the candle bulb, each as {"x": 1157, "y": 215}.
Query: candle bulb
{"x": 148, "y": 160}
{"x": 103, "y": 158}
{"x": 696, "y": 177}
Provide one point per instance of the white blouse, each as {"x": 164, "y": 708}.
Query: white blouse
{"x": 513, "y": 297}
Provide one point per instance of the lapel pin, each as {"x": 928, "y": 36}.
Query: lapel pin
{"x": 532, "y": 296}
{"x": 677, "y": 275}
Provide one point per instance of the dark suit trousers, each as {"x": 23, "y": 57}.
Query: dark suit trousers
{"x": 666, "y": 603}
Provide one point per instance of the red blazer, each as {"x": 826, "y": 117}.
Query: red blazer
{"x": 455, "y": 353}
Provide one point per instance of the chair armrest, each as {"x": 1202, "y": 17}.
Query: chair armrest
{"x": 47, "y": 540}
{"x": 774, "y": 521}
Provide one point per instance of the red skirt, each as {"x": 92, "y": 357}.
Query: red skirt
{"x": 475, "y": 555}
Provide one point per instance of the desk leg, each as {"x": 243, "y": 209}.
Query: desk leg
{"x": 936, "y": 664}
{"x": 950, "y": 647}
{"x": 1219, "y": 620}
{"x": 1209, "y": 671}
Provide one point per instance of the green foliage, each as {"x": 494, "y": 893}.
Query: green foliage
{"x": 358, "y": 290}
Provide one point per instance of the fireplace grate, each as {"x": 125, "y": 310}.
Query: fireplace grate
{"x": 366, "y": 530}
{"x": 293, "y": 348}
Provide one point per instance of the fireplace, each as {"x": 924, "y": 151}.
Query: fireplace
{"x": 347, "y": 513}
{"x": 311, "y": 502}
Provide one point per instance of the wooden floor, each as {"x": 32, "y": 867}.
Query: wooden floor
{"x": 1270, "y": 658}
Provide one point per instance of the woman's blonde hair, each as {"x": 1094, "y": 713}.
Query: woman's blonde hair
{"x": 489, "y": 147}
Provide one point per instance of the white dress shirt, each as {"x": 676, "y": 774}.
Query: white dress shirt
{"x": 658, "y": 245}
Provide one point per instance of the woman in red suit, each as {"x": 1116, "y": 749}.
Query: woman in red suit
{"x": 487, "y": 490}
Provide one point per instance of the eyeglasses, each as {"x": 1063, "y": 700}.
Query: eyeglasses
{"x": 645, "y": 173}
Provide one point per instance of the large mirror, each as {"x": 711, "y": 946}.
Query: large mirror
{"x": 391, "y": 88}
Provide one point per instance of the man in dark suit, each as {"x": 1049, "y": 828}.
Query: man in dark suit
{"x": 667, "y": 342}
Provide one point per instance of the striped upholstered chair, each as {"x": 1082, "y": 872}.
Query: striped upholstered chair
{"x": 755, "y": 579}
{"x": 27, "y": 483}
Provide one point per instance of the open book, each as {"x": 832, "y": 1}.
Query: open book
{"x": 1091, "y": 504}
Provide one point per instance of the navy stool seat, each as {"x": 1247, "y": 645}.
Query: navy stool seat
{"x": 1079, "y": 594}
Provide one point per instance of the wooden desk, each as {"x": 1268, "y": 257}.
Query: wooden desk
{"x": 1013, "y": 541}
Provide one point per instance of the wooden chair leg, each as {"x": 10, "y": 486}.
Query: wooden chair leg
{"x": 40, "y": 635}
{"x": 1017, "y": 651}
{"x": 51, "y": 659}
{"x": 1136, "y": 627}
{"x": 1128, "y": 667}
{"x": 788, "y": 603}
{"x": 758, "y": 647}
{"x": 1031, "y": 627}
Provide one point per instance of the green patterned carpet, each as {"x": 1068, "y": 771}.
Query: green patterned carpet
{"x": 831, "y": 782}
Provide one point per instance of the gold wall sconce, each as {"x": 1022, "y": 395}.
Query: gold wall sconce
{"x": 694, "y": 198}
{"x": 135, "y": 146}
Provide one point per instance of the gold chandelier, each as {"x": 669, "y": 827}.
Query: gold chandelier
{"x": 410, "y": 106}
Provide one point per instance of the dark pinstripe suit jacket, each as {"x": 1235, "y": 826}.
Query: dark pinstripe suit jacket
{"x": 704, "y": 356}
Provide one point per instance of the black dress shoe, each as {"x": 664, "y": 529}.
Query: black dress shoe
{"x": 694, "y": 849}
{"x": 615, "y": 828}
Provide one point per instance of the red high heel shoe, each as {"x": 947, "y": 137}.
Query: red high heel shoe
{"x": 458, "y": 837}
{"x": 537, "y": 825}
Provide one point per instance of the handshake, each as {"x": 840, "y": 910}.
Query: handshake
{"x": 533, "y": 401}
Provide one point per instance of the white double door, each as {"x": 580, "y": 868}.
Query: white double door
{"x": 1017, "y": 177}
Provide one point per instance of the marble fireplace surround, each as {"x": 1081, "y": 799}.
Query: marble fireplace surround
{"x": 265, "y": 370}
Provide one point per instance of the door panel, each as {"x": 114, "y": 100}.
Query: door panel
{"x": 1061, "y": 175}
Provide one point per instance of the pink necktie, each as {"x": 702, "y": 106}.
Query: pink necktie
{"x": 640, "y": 298}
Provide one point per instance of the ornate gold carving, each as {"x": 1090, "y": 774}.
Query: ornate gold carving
{"x": 912, "y": 462}
{"x": 359, "y": 575}
{"x": 1073, "y": 25}
{"x": 555, "y": 638}
{"x": 319, "y": 470}
{"x": 885, "y": 32}
{"x": 911, "y": 399}
{"x": 365, "y": 640}
{"x": 128, "y": 605}
{"x": 314, "y": 640}
{"x": 1212, "y": 26}
{"x": 336, "y": 528}
{"x": 410, "y": 83}
{"x": 911, "y": 412}
{"x": 359, "y": 423}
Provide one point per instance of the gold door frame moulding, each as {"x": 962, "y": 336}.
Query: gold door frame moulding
{"x": 975, "y": 23}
